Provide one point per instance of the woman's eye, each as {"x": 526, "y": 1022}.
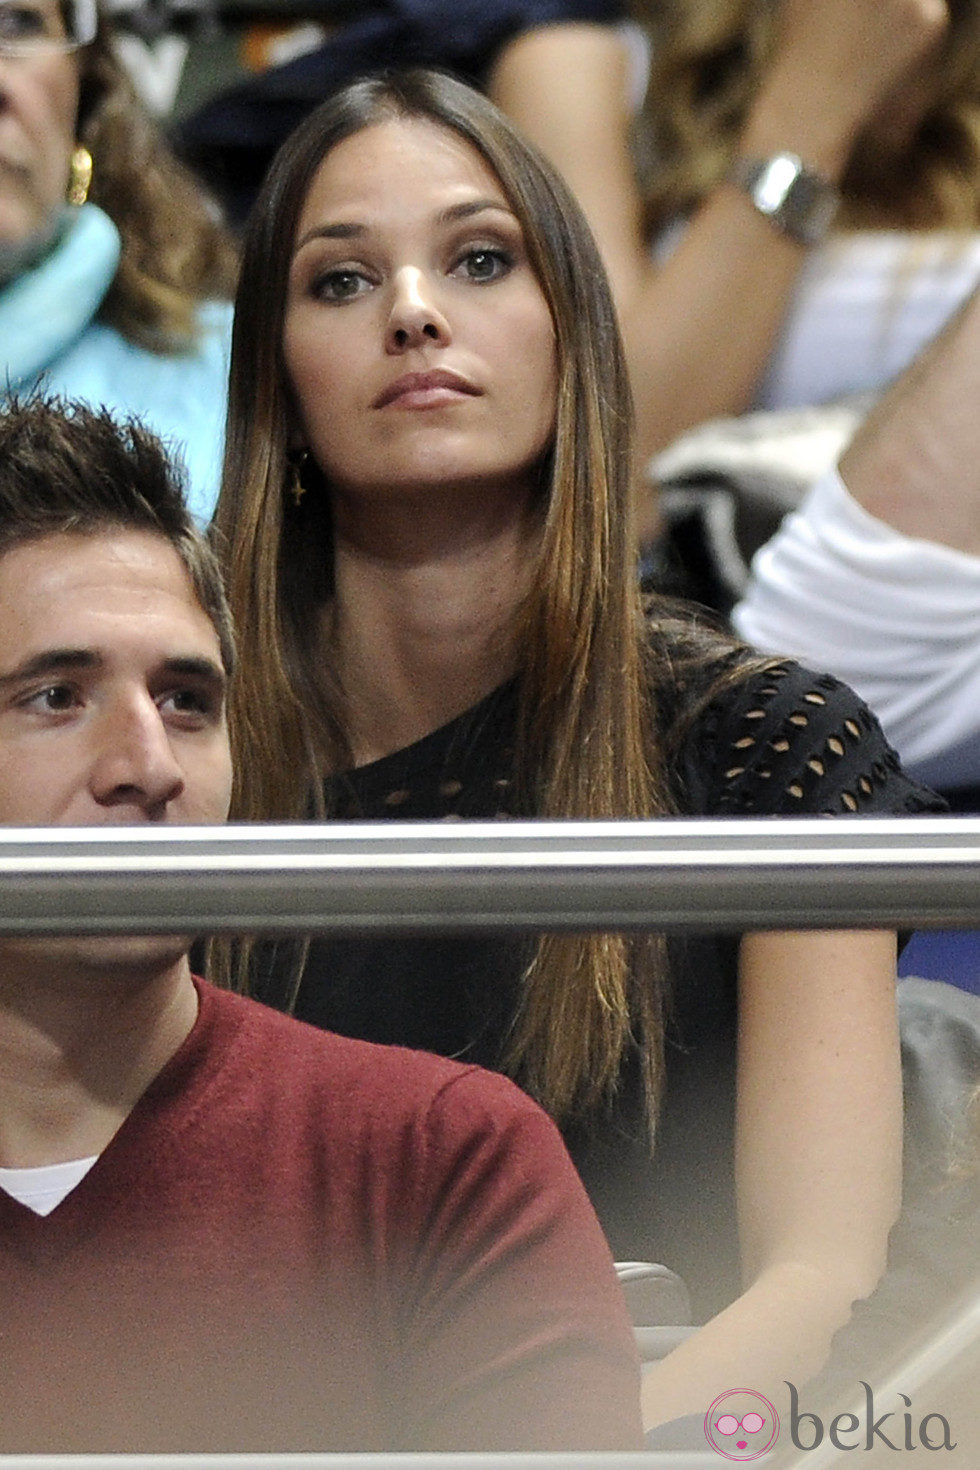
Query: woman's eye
{"x": 484, "y": 265}
{"x": 340, "y": 285}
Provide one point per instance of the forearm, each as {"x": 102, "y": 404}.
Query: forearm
{"x": 779, "y": 1329}
{"x": 915, "y": 463}
{"x": 705, "y": 321}
{"x": 699, "y": 326}
{"x": 833, "y": 63}
{"x": 818, "y": 1151}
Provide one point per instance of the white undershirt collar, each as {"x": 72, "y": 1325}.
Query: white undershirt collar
{"x": 43, "y": 1188}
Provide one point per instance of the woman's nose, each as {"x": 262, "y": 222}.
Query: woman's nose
{"x": 415, "y": 318}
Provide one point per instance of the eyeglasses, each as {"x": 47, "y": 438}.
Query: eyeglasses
{"x": 45, "y": 27}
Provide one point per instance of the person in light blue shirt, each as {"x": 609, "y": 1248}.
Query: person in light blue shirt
{"x": 115, "y": 272}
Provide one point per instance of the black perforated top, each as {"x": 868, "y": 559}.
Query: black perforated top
{"x": 790, "y": 742}
{"x": 786, "y": 742}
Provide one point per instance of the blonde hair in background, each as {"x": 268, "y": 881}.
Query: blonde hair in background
{"x": 175, "y": 250}
{"x": 709, "y": 60}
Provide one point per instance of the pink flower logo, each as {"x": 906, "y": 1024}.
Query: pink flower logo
{"x": 741, "y": 1425}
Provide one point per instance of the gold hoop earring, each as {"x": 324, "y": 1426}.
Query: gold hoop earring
{"x": 79, "y": 175}
{"x": 295, "y": 487}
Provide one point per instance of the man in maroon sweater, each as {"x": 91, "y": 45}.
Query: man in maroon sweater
{"x": 220, "y": 1229}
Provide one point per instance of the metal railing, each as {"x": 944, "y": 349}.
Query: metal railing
{"x": 513, "y": 1460}
{"x": 477, "y": 877}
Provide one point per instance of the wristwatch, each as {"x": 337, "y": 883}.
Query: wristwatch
{"x": 798, "y": 200}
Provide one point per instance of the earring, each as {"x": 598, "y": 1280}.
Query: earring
{"x": 295, "y": 486}
{"x": 79, "y": 175}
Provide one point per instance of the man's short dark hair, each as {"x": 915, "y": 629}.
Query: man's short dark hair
{"x": 68, "y": 468}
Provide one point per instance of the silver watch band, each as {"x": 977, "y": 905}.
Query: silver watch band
{"x": 798, "y": 200}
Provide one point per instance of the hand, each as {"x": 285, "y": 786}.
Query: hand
{"x": 836, "y": 63}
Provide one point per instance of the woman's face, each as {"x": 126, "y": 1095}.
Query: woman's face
{"x": 38, "y": 108}
{"x": 418, "y": 343}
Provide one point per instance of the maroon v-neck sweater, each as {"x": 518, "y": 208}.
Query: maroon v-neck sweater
{"x": 300, "y": 1242}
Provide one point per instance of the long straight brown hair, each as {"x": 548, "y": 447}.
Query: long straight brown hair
{"x": 586, "y": 746}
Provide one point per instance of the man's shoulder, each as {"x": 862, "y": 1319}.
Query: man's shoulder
{"x": 289, "y": 1055}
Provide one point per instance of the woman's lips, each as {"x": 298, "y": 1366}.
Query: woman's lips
{"x": 426, "y": 390}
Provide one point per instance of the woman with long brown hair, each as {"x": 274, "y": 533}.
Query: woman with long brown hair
{"x": 428, "y": 538}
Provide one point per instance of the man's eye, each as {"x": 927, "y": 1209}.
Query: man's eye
{"x": 52, "y": 699}
{"x": 485, "y": 264}
{"x": 191, "y": 703}
{"x": 24, "y": 22}
{"x": 340, "y": 285}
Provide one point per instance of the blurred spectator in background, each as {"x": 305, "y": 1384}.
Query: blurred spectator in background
{"x": 232, "y": 136}
{"x": 114, "y": 268}
{"x": 759, "y": 119}
{"x": 879, "y": 570}
{"x": 893, "y": 123}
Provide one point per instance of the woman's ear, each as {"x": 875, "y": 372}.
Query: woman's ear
{"x": 296, "y": 440}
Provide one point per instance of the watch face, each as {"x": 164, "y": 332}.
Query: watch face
{"x": 774, "y": 182}
{"x": 798, "y": 201}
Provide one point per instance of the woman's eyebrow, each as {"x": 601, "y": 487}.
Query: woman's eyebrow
{"x": 474, "y": 206}
{"x": 330, "y": 232}
{"x": 352, "y": 230}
